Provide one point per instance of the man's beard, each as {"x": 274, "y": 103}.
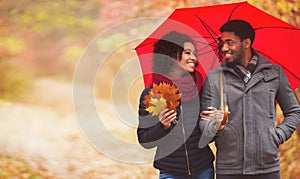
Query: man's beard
{"x": 230, "y": 64}
{"x": 236, "y": 61}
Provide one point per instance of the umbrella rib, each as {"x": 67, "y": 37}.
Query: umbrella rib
{"x": 279, "y": 27}
{"x": 214, "y": 59}
{"x": 211, "y": 32}
{"x": 237, "y": 6}
{"x": 280, "y": 65}
{"x": 214, "y": 40}
{"x": 213, "y": 63}
{"x": 206, "y": 52}
{"x": 209, "y": 44}
{"x": 206, "y": 46}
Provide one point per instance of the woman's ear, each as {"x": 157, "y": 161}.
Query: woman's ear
{"x": 179, "y": 55}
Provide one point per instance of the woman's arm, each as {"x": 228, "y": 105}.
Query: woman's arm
{"x": 150, "y": 129}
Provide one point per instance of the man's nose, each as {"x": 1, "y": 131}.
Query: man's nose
{"x": 224, "y": 47}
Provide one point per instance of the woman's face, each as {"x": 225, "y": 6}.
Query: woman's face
{"x": 188, "y": 57}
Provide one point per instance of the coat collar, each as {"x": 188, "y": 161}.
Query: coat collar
{"x": 264, "y": 70}
{"x": 262, "y": 63}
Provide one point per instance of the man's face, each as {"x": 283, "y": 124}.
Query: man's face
{"x": 232, "y": 48}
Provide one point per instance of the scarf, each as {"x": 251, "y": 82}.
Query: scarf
{"x": 245, "y": 73}
{"x": 189, "y": 86}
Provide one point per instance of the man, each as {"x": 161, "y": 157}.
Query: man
{"x": 247, "y": 146}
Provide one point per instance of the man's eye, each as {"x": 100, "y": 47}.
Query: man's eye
{"x": 230, "y": 43}
{"x": 222, "y": 43}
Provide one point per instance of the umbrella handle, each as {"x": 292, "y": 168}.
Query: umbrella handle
{"x": 225, "y": 109}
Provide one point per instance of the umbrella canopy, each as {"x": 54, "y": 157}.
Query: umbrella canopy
{"x": 274, "y": 39}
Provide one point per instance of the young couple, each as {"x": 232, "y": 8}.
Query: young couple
{"x": 247, "y": 145}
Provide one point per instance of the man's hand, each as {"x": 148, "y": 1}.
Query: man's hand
{"x": 214, "y": 114}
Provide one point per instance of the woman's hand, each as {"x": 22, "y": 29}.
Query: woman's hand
{"x": 214, "y": 114}
{"x": 166, "y": 117}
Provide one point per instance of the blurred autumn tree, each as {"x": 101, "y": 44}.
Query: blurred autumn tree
{"x": 48, "y": 37}
{"x": 286, "y": 10}
{"x": 289, "y": 158}
{"x": 42, "y": 38}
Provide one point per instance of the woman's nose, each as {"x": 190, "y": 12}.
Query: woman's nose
{"x": 193, "y": 56}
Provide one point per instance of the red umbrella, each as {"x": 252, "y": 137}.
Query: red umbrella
{"x": 275, "y": 39}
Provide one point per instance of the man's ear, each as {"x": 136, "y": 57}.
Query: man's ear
{"x": 247, "y": 43}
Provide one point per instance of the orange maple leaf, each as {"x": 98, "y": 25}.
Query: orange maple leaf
{"x": 168, "y": 92}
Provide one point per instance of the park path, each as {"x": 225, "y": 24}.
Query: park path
{"x": 42, "y": 130}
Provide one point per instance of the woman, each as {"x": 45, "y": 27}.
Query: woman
{"x": 175, "y": 133}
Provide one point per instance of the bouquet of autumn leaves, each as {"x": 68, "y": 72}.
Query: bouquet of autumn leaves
{"x": 160, "y": 97}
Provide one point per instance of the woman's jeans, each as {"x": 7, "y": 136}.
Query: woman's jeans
{"x": 205, "y": 174}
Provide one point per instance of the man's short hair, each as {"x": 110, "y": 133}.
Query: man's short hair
{"x": 241, "y": 28}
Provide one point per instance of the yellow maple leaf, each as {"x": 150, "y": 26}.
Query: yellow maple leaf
{"x": 156, "y": 105}
{"x": 168, "y": 92}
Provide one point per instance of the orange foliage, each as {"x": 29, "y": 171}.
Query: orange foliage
{"x": 160, "y": 93}
{"x": 289, "y": 158}
{"x": 12, "y": 167}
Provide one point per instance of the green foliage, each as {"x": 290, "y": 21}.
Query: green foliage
{"x": 13, "y": 81}
{"x": 11, "y": 45}
{"x": 37, "y": 38}
{"x": 50, "y": 17}
{"x": 72, "y": 52}
{"x": 111, "y": 42}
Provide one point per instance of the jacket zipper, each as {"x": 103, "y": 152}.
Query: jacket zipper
{"x": 185, "y": 146}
